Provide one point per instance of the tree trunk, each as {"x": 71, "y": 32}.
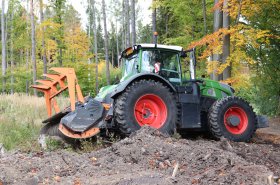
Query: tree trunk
{"x": 3, "y": 34}
{"x": 106, "y": 43}
{"x": 166, "y": 24}
{"x": 154, "y": 19}
{"x": 123, "y": 26}
{"x": 27, "y": 69}
{"x": 43, "y": 38}
{"x": 204, "y": 16}
{"x": 112, "y": 57}
{"x": 226, "y": 42}
{"x": 117, "y": 39}
{"x": 33, "y": 51}
{"x": 95, "y": 43}
{"x": 127, "y": 21}
{"x": 133, "y": 27}
{"x": 12, "y": 53}
{"x": 218, "y": 19}
{"x": 27, "y": 50}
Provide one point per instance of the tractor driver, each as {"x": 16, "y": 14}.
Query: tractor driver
{"x": 158, "y": 66}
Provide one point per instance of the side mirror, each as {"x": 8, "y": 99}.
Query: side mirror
{"x": 183, "y": 54}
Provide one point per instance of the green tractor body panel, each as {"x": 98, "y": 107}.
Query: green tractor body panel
{"x": 214, "y": 89}
{"x": 104, "y": 91}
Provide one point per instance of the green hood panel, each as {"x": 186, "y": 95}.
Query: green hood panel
{"x": 215, "y": 89}
{"x": 105, "y": 90}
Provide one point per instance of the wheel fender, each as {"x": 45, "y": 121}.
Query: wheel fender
{"x": 122, "y": 86}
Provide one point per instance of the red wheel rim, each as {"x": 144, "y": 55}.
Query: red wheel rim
{"x": 241, "y": 115}
{"x": 150, "y": 110}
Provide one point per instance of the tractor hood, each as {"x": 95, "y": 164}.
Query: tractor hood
{"x": 215, "y": 89}
{"x": 105, "y": 92}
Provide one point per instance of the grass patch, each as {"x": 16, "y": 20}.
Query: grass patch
{"x": 20, "y": 121}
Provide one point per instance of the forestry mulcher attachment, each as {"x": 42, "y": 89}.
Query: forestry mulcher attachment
{"x": 152, "y": 91}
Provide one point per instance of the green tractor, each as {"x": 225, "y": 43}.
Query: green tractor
{"x": 152, "y": 91}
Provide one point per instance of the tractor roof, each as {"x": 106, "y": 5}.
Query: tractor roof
{"x": 160, "y": 46}
{"x": 128, "y": 51}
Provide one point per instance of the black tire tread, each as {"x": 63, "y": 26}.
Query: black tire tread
{"x": 119, "y": 107}
{"x": 213, "y": 123}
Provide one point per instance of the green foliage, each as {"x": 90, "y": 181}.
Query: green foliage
{"x": 20, "y": 121}
{"x": 22, "y": 136}
{"x": 254, "y": 43}
{"x": 267, "y": 67}
{"x": 180, "y": 22}
{"x": 144, "y": 33}
{"x": 54, "y": 144}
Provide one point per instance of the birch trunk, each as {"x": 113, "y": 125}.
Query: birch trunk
{"x": 43, "y": 38}
{"x": 127, "y": 21}
{"x": 3, "y": 36}
{"x": 27, "y": 51}
{"x": 33, "y": 41}
{"x": 12, "y": 53}
{"x": 95, "y": 43}
{"x": 166, "y": 24}
{"x": 133, "y": 27}
{"x": 204, "y": 16}
{"x": 106, "y": 43}
{"x": 123, "y": 26}
{"x": 154, "y": 21}
{"x": 117, "y": 39}
{"x": 27, "y": 69}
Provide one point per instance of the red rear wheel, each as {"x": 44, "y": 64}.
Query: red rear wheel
{"x": 150, "y": 110}
{"x": 236, "y": 120}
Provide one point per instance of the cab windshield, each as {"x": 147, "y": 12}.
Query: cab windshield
{"x": 130, "y": 65}
{"x": 164, "y": 63}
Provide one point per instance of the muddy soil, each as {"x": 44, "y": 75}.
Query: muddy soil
{"x": 148, "y": 157}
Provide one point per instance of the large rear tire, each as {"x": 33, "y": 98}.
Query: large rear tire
{"x": 146, "y": 102}
{"x": 232, "y": 118}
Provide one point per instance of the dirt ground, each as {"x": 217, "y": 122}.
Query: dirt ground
{"x": 148, "y": 157}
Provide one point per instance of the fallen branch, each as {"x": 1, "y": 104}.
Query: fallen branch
{"x": 176, "y": 167}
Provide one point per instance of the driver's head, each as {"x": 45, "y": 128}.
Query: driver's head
{"x": 157, "y": 60}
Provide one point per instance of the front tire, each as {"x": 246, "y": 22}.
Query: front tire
{"x": 146, "y": 102}
{"x": 232, "y": 118}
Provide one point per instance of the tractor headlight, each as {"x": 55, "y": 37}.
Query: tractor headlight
{"x": 228, "y": 87}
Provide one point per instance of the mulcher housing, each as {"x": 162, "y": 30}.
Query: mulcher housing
{"x": 153, "y": 91}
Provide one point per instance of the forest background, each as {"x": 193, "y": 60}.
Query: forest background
{"x": 237, "y": 42}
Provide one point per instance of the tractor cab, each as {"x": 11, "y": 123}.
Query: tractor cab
{"x": 148, "y": 58}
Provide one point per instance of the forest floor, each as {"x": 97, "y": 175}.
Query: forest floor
{"x": 148, "y": 157}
